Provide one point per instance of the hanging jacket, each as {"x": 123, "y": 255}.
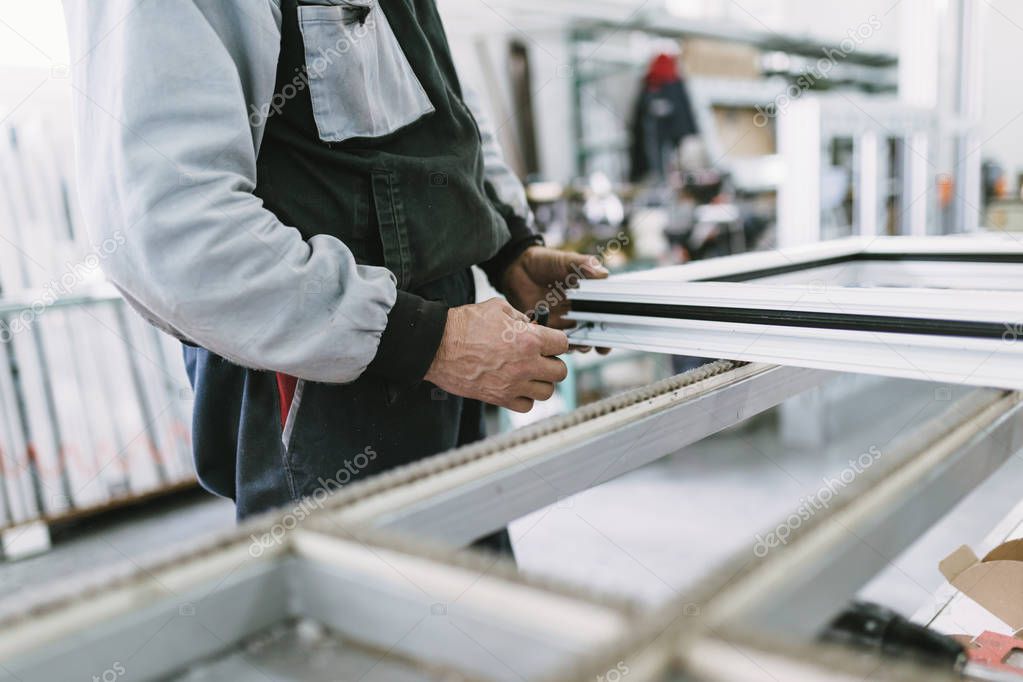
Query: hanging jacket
{"x": 662, "y": 116}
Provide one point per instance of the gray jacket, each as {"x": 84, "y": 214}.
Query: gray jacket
{"x": 166, "y": 154}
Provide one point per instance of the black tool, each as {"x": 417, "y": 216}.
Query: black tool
{"x": 541, "y": 314}
{"x": 873, "y": 627}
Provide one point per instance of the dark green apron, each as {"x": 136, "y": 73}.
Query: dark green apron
{"x": 413, "y": 199}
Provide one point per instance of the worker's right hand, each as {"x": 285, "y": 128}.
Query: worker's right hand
{"x": 491, "y": 352}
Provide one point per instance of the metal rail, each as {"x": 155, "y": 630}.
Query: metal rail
{"x": 413, "y": 602}
{"x": 28, "y": 300}
{"x": 460, "y": 505}
{"x": 878, "y": 516}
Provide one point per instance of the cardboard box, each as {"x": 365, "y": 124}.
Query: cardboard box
{"x": 994, "y": 582}
{"x": 739, "y": 134}
{"x": 719, "y": 59}
{"x": 1005, "y": 214}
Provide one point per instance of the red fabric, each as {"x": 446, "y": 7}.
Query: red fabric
{"x": 286, "y": 389}
{"x": 663, "y": 70}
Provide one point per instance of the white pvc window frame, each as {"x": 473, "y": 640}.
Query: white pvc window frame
{"x": 949, "y": 309}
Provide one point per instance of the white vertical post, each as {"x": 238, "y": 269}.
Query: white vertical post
{"x": 799, "y": 196}
{"x": 868, "y": 183}
{"x": 920, "y": 23}
{"x": 917, "y": 186}
{"x": 968, "y": 16}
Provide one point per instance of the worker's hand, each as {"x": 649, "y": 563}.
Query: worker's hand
{"x": 538, "y": 279}
{"x": 491, "y": 352}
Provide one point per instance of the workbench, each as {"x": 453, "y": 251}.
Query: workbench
{"x": 376, "y": 566}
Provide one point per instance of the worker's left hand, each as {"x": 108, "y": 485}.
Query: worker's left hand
{"x": 538, "y": 279}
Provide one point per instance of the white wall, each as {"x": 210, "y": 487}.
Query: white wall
{"x": 32, "y": 33}
{"x": 33, "y": 61}
{"x": 825, "y": 20}
{"x": 1002, "y": 87}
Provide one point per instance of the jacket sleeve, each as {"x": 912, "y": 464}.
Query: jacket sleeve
{"x": 506, "y": 192}
{"x": 166, "y": 155}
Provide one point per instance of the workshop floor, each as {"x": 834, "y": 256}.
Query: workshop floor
{"x": 655, "y": 532}
{"x": 652, "y": 533}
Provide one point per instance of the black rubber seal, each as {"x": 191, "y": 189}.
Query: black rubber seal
{"x": 798, "y": 318}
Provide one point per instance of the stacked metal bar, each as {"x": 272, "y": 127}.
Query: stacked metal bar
{"x": 94, "y": 403}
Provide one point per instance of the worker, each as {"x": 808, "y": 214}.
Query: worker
{"x": 302, "y": 188}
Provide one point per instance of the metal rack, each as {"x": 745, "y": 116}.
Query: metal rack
{"x": 94, "y": 402}
{"x": 891, "y": 148}
{"x": 594, "y": 58}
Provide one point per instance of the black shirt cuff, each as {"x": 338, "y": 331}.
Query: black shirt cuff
{"x": 415, "y": 327}
{"x": 522, "y": 237}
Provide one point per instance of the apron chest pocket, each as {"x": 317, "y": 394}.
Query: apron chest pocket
{"x": 360, "y": 82}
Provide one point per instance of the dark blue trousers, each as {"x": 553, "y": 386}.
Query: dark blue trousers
{"x": 266, "y": 440}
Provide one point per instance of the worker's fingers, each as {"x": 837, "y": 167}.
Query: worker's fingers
{"x": 558, "y": 319}
{"x": 538, "y": 390}
{"x": 552, "y": 341}
{"x": 580, "y": 264}
{"x": 603, "y": 351}
{"x": 550, "y": 265}
{"x": 580, "y": 349}
{"x": 511, "y": 312}
{"x": 552, "y": 370}
{"x": 561, "y": 323}
{"x": 520, "y": 405}
{"x": 591, "y": 267}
